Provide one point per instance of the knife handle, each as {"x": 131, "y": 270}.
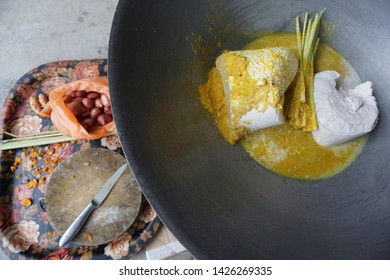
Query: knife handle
{"x": 76, "y": 225}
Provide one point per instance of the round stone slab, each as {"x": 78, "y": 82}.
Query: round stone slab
{"x": 75, "y": 182}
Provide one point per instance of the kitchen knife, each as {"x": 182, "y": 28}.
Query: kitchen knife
{"x": 95, "y": 203}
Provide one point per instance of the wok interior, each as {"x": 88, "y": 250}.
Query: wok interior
{"x": 217, "y": 200}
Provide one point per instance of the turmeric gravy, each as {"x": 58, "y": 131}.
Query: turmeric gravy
{"x": 282, "y": 149}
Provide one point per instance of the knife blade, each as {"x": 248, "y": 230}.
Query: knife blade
{"x": 96, "y": 201}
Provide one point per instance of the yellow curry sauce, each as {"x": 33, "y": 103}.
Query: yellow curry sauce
{"x": 282, "y": 149}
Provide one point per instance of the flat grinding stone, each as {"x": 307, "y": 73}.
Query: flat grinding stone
{"x": 75, "y": 182}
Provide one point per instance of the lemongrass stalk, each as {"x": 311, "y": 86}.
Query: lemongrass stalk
{"x": 299, "y": 36}
{"x": 10, "y": 134}
{"x": 45, "y": 134}
{"x": 33, "y": 136}
{"x": 302, "y": 110}
{"x": 31, "y": 143}
{"x": 22, "y": 142}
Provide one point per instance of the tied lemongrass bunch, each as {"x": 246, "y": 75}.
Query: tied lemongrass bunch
{"x": 302, "y": 114}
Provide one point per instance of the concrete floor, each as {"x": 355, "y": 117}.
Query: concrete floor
{"x": 35, "y": 32}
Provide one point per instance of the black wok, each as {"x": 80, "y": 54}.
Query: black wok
{"x": 217, "y": 200}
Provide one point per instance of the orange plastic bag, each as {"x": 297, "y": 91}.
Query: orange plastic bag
{"x": 64, "y": 120}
